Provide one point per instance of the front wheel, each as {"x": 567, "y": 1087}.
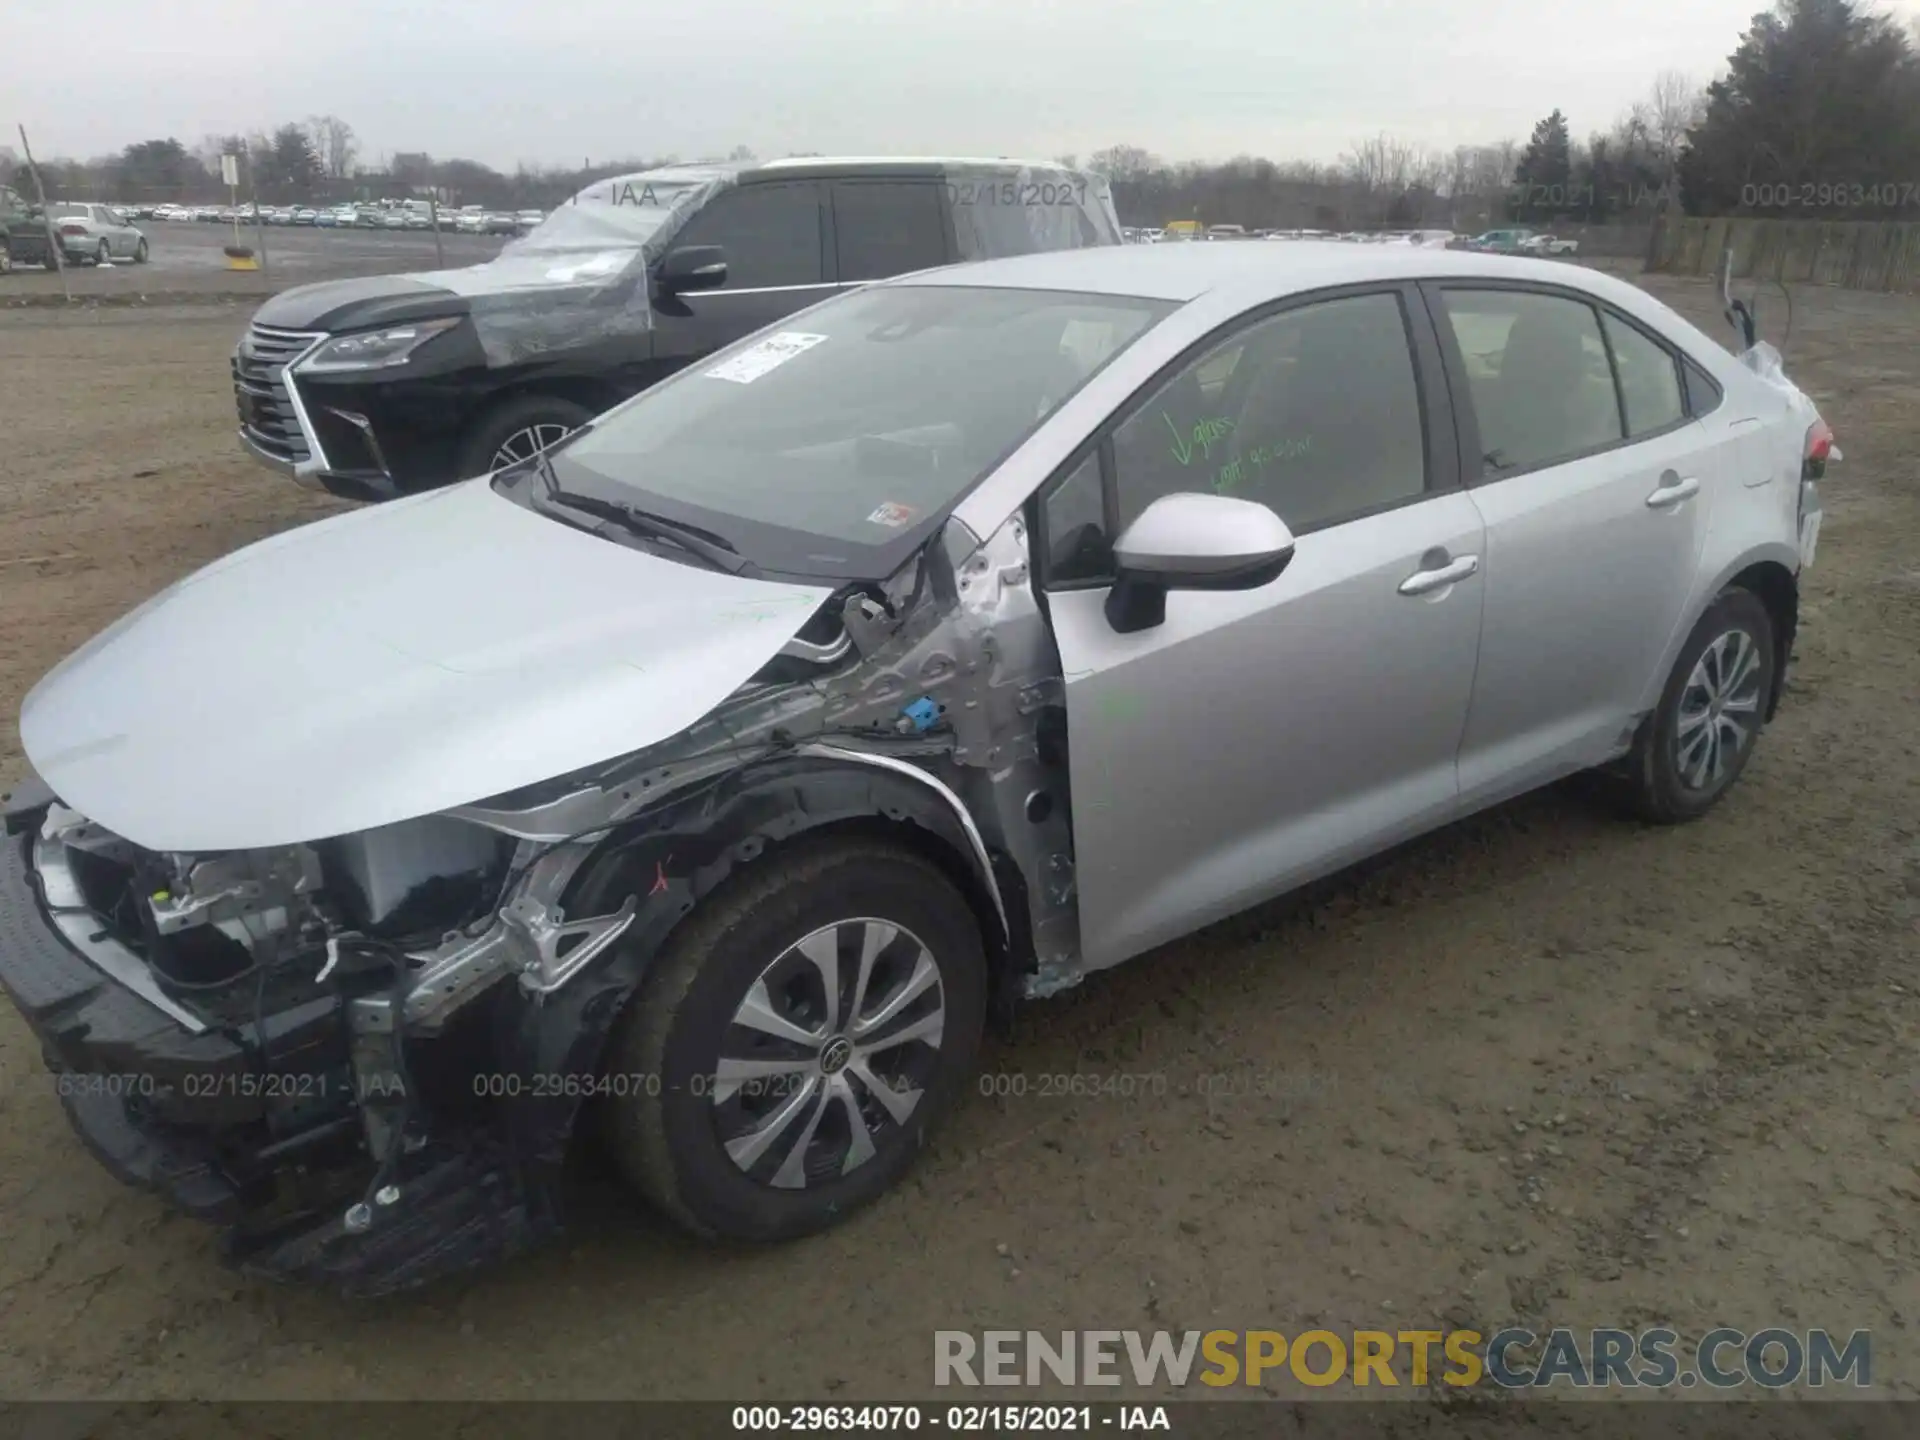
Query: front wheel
{"x": 1695, "y": 744}
{"x": 807, "y": 1026}
{"x": 519, "y": 430}
{"x": 140, "y": 253}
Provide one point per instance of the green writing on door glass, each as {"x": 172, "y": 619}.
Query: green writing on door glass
{"x": 1201, "y": 439}
{"x": 1235, "y": 471}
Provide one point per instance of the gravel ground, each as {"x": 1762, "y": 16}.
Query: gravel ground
{"x": 1544, "y": 1066}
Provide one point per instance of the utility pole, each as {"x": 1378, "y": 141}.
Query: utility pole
{"x": 46, "y": 217}
{"x": 253, "y": 199}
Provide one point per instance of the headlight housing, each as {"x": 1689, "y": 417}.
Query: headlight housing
{"x": 376, "y": 349}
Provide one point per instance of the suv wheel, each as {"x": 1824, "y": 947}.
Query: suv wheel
{"x": 807, "y": 1027}
{"x": 1694, "y": 746}
{"x": 519, "y": 430}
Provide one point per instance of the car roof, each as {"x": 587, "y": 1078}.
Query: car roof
{"x": 900, "y": 164}
{"x": 1186, "y": 272}
{"x": 815, "y": 166}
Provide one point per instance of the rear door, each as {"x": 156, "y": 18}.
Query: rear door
{"x": 774, "y": 236}
{"x": 885, "y": 227}
{"x": 1594, "y": 484}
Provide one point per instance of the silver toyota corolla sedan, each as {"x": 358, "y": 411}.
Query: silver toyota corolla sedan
{"x": 706, "y": 781}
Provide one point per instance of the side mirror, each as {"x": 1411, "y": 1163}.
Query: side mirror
{"x": 1193, "y": 542}
{"x": 692, "y": 267}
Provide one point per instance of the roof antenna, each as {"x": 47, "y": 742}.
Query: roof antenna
{"x": 1739, "y": 314}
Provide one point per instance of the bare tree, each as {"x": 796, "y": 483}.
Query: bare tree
{"x": 1383, "y": 163}
{"x": 1673, "y": 107}
{"x": 1430, "y": 171}
{"x": 335, "y": 143}
{"x": 1123, "y": 162}
{"x": 212, "y": 147}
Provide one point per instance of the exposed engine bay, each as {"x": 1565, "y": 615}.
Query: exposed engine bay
{"x": 377, "y": 981}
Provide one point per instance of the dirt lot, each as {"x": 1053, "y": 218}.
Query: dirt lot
{"x": 1545, "y": 1066}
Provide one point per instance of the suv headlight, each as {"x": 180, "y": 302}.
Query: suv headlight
{"x": 376, "y": 349}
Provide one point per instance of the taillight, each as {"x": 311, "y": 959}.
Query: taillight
{"x": 73, "y": 229}
{"x": 1813, "y": 465}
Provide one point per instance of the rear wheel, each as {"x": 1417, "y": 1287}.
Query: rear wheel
{"x": 519, "y": 430}
{"x": 140, "y": 252}
{"x": 103, "y": 255}
{"x": 808, "y": 1026}
{"x": 6, "y": 258}
{"x": 1695, "y": 744}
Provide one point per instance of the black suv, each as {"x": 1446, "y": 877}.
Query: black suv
{"x": 23, "y": 232}
{"x": 378, "y": 387}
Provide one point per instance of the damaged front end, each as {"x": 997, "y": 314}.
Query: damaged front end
{"x": 367, "y": 1056}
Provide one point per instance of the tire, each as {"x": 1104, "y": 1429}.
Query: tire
{"x": 6, "y": 257}
{"x": 103, "y": 255}
{"x": 671, "y": 1144}
{"x": 140, "y": 252}
{"x": 518, "y": 425}
{"x": 1669, "y": 777}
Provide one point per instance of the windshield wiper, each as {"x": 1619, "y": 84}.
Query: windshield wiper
{"x": 691, "y": 538}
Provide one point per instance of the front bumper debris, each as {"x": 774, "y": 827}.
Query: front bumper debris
{"x": 273, "y": 1153}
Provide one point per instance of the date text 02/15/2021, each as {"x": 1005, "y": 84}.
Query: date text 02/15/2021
{"x": 960, "y": 1419}
{"x": 1016, "y": 192}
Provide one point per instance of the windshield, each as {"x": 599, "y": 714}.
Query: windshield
{"x": 618, "y": 214}
{"x": 832, "y": 447}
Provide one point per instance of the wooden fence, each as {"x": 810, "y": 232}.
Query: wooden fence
{"x": 1856, "y": 254}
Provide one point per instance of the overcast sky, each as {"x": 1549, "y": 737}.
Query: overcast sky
{"x": 505, "y": 81}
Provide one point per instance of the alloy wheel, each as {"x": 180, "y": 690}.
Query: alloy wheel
{"x": 1719, "y": 710}
{"x": 528, "y": 441}
{"x": 829, "y": 1054}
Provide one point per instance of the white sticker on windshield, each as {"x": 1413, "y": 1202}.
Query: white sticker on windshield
{"x": 756, "y": 360}
{"x": 892, "y": 514}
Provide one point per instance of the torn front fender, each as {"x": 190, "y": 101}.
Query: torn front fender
{"x": 671, "y": 859}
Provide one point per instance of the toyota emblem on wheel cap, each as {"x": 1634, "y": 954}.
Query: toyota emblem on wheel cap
{"x": 835, "y": 1055}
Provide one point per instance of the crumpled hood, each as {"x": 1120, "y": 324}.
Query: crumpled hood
{"x": 389, "y": 663}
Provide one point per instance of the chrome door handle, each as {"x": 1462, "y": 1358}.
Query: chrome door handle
{"x": 1425, "y": 582}
{"x": 1672, "y": 492}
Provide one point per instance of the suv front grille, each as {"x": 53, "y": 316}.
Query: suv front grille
{"x": 260, "y": 393}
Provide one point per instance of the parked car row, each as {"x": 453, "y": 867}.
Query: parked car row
{"x": 408, "y": 215}
{"x": 1519, "y": 240}
{"x": 723, "y": 763}
{"x": 1190, "y": 230}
